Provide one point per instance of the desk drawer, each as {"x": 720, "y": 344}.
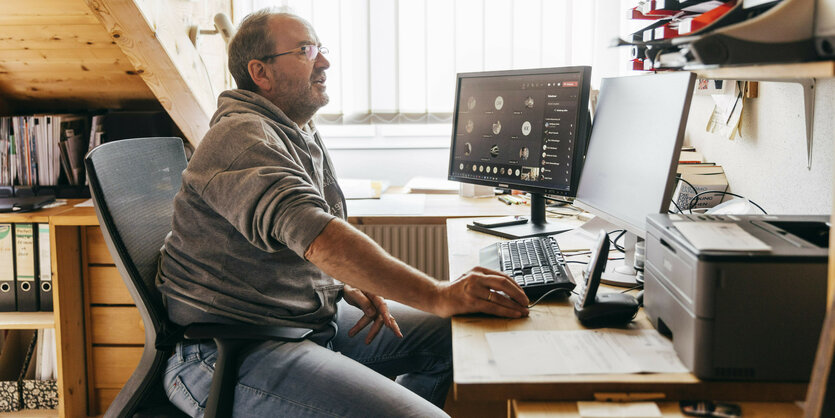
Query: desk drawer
{"x": 107, "y": 287}
{"x": 97, "y": 252}
{"x": 116, "y": 325}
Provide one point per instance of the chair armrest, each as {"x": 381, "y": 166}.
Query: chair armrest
{"x": 205, "y": 331}
{"x": 229, "y": 340}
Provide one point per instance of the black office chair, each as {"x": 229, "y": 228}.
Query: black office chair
{"x": 133, "y": 183}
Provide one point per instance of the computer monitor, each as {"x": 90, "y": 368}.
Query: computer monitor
{"x": 634, "y": 149}
{"x": 524, "y": 130}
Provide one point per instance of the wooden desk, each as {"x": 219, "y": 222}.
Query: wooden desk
{"x": 476, "y": 375}
{"x": 668, "y": 410}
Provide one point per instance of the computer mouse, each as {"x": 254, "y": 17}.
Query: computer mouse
{"x": 608, "y": 309}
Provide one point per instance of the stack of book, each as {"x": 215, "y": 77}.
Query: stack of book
{"x": 48, "y": 149}
{"x": 695, "y": 176}
{"x": 37, "y": 150}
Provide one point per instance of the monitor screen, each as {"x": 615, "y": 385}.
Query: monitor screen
{"x": 638, "y": 130}
{"x": 521, "y": 129}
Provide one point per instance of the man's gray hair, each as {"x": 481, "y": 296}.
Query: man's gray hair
{"x": 253, "y": 40}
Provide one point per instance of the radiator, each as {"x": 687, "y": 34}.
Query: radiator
{"x": 421, "y": 246}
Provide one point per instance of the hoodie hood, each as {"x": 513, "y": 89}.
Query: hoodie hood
{"x": 236, "y": 101}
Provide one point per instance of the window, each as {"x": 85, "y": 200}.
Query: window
{"x": 394, "y": 61}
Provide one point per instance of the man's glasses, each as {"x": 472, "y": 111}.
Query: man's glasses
{"x": 309, "y": 51}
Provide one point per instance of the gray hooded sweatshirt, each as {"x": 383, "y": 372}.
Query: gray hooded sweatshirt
{"x": 256, "y": 193}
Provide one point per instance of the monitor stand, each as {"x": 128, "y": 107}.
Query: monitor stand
{"x": 536, "y": 226}
{"x": 624, "y": 273}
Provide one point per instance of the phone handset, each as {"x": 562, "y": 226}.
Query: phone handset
{"x": 606, "y": 309}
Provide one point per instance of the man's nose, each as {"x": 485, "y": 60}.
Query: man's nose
{"x": 322, "y": 62}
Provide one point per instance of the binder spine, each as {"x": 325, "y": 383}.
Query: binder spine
{"x": 27, "y": 268}
{"x": 45, "y": 268}
{"x": 7, "y": 269}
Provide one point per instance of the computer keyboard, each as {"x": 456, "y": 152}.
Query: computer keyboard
{"x": 535, "y": 263}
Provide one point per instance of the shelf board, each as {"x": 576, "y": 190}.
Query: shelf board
{"x": 770, "y": 72}
{"x": 27, "y": 320}
{"x": 31, "y": 413}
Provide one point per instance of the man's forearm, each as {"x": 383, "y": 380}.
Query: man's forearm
{"x": 350, "y": 256}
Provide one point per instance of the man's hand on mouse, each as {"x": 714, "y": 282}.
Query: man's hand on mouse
{"x": 477, "y": 291}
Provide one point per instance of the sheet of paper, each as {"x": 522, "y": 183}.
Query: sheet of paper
{"x": 727, "y": 112}
{"x": 85, "y": 204}
{"x": 724, "y": 236}
{"x": 618, "y": 409}
{"x": 388, "y": 204}
{"x": 362, "y": 188}
{"x": 602, "y": 351}
{"x": 431, "y": 185}
{"x": 56, "y": 203}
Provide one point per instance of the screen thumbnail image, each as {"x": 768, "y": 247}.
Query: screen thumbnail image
{"x": 500, "y": 135}
{"x": 530, "y": 174}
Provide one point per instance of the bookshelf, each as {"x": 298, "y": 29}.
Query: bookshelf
{"x": 27, "y": 320}
{"x": 30, "y": 413}
{"x": 770, "y": 72}
{"x": 74, "y": 56}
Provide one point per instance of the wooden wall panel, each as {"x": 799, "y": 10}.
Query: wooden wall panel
{"x": 116, "y": 325}
{"x": 107, "y": 287}
{"x": 97, "y": 252}
{"x": 114, "y": 365}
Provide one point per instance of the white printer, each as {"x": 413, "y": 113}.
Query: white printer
{"x": 740, "y": 315}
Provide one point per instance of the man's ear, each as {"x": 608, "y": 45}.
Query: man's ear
{"x": 260, "y": 74}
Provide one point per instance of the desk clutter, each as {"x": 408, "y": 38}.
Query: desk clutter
{"x": 28, "y": 364}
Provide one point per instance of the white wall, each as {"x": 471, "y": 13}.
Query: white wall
{"x": 395, "y": 165}
{"x": 768, "y": 163}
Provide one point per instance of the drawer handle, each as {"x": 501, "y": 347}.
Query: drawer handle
{"x": 666, "y": 244}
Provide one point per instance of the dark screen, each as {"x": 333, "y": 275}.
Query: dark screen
{"x": 519, "y": 129}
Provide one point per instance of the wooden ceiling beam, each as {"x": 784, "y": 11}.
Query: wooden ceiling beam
{"x": 158, "y": 47}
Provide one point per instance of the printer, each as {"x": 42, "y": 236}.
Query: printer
{"x": 740, "y": 315}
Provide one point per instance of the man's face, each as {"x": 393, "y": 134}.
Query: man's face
{"x": 298, "y": 84}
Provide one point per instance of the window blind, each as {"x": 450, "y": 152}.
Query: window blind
{"x": 396, "y": 60}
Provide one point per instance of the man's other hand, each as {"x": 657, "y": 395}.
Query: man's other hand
{"x": 376, "y": 311}
{"x": 478, "y": 291}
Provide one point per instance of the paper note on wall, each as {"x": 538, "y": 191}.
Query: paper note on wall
{"x": 727, "y": 113}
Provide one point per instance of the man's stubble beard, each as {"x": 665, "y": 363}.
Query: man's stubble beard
{"x": 298, "y": 100}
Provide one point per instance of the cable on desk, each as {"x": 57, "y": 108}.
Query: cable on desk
{"x": 640, "y": 286}
{"x": 576, "y": 262}
{"x": 615, "y": 241}
{"x": 673, "y": 201}
{"x": 546, "y": 295}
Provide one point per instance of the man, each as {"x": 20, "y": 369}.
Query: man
{"x": 259, "y": 236}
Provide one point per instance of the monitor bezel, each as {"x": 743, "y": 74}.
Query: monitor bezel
{"x": 641, "y": 230}
{"x": 583, "y": 124}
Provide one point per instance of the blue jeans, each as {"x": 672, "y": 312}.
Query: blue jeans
{"x": 304, "y": 379}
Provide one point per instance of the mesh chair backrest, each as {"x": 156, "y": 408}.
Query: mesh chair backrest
{"x": 133, "y": 183}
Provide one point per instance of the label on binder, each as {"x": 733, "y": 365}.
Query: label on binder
{"x": 27, "y": 295}
{"x": 7, "y": 271}
{"x": 45, "y": 268}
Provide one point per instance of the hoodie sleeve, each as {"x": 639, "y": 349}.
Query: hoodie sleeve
{"x": 257, "y": 183}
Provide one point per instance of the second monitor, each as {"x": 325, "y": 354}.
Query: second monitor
{"x": 524, "y": 130}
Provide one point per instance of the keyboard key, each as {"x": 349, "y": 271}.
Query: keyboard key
{"x": 535, "y": 264}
